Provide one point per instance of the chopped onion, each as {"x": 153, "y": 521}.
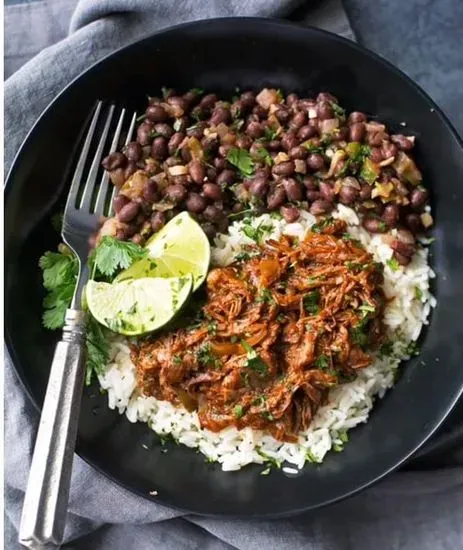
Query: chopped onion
{"x": 387, "y": 162}
{"x": 300, "y": 166}
{"x": 175, "y": 111}
{"x": 196, "y": 149}
{"x": 281, "y": 157}
{"x": 327, "y": 126}
{"x": 163, "y": 206}
{"x": 222, "y": 129}
{"x": 338, "y": 156}
{"x": 133, "y": 187}
{"x": 312, "y": 112}
{"x": 382, "y": 190}
{"x": 267, "y": 97}
{"x": 426, "y": 219}
{"x": 374, "y": 127}
{"x": 178, "y": 170}
{"x": 350, "y": 181}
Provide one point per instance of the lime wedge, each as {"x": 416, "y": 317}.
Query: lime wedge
{"x": 179, "y": 248}
{"x": 137, "y": 306}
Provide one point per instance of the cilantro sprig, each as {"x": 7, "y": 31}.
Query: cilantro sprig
{"x": 241, "y": 159}
{"x": 112, "y": 255}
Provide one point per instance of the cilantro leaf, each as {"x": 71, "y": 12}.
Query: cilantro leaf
{"x": 338, "y": 111}
{"x": 59, "y": 278}
{"x": 256, "y": 233}
{"x": 264, "y": 155}
{"x": 242, "y": 160}
{"x": 322, "y": 362}
{"x": 112, "y": 255}
{"x": 393, "y": 264}
{"x": 254, "y": 361}
{"x": 238, "y": 411}
{"x": 97, "y": 348}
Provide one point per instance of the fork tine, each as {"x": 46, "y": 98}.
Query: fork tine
{"x": 91, "y": 178}
{"x": 127, "y": 141}
{"x": 103, "y": 190}
{"x": 77, "y": 178}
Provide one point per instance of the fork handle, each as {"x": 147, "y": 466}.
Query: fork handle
{"x": 45, "y": 504}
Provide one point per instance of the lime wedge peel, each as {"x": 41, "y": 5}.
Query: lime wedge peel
{"x": 137, "y": 306}
{"x": 181, "y": 247}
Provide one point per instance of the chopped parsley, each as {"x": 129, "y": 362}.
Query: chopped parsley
{"x": 393, "y": 264}
{"x": 312, "y": 148}
{"x": 367, "y": 308}
{"x": 259, "y": 401}
{"x": 412, "y": 348}
{"x": 270, "y": 133}
{"x": 258, "y": 233}
{"x": 254, "y": 361}
{"x": 386, "y": 349}
{"x": 205, "y": 356}
{"x": 268, "y": 416}
{"x": 418, "y": 293}
{"x": 197, "y": 91}
{"x": 177, "y": 360}
{"x": 212, "y": 328}
{"x": 338, "y": 111}
{"x": 242, "y": 256}
{"x": 265, "y": 297}
{"x": 242, "y": 160}
{"x": 311, "y": 302}
{"x": 322, "y": 225}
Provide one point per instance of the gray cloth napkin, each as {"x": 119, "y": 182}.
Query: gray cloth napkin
{"x": 409, "y": 510}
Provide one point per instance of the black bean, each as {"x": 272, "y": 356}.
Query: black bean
{"x": 179, "y": 102}
{"x": 130, "y": 169}
{"x": 405, "y": 249}
{"x": 117, "y": 177}
{"x": 220, "y": 115}
{"x": 224, "y": 150}
{"x": 182, "y": 180}
{"x": 405, "y": 236}
{"x": 254, "y": 130}
{"x": 128, "y": 212}
{"x": 388, "y": 150}
{"x": 298, "y": 120}
{"x": 284, "y": 168}
{"x": 211, "y": 173}
{"x": 195, "y": 203}
{"x": 391, "y": 214}
{"x": 197, "y": 171}
{"x": 226, "y": 177}
{"x": 150, "y": 191}
{"x": 185, "y": 153}
{"x": 312, "y": 195}
{"x": 222, "y": 224}
{"x": 119, "y": 201}
{"x": 243, "y": 142}
{"x": 292, "y": 99}
{"x": 159, "y": 149}
{"x": 282, "y": 115}
{"x": 310, "y": 183}
{"x": 356, "y": 131}
{"x": 174, "y": 142}
{"x": 326, "y": 191}
{"x": 212, "y": 213}
{"x": 315, "y": 162}
{"x": 192, "y": 97}
{"x": 348, "y": 194}
{"x": 210, "y": 229}
{"x": 306, "y": 132}
{"x": 418, "y": 198}
{"x": 156, "y": 113}
{"x": 289, "y": 140}
{"x": 220, "y": 163}
{"x": 113, "y": 161}
{"x": 298, "y": 152}
{"x": 248, "y": 99}
{"x": 413, "y": 222}
{"x": 163, "y": 129}
{"x": 264, "y": 171}
{"x": 144, "y": 134}
{"x": 274, "y": 145}
{"x": 320, "y": 206}
{"x": 208, "y": 101}
{"x": 375, "y": 139}
{"x": 324, "y": 110}
{"x": 158, "y": 219}
{"x": 173, "y": 161}
{"x": 402, "y": 260}
{"x": 365, "y": 192}
{"x": 276, "y": 198}
{"x": 290, "y": 213}
{"x": 374, "y": 225}
{"x": 212, "y": 191}
{"x": 293, "y": 188}
{"x": 260, "y": 112}
{"x": 176, "y": 192}
{"x": 402, "y": 142}
{"x": 376, "y": 155}
{"x": 326, "y": 96}
{"x": 356, "y": 116}
{"x": 210, "y": 145}
{"x": 259, "y": 187}
{"x": 137, "y": 239}
{"x": 133, "y": 151}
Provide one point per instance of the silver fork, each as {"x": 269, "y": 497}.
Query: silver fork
{"x": 45, "y": 504}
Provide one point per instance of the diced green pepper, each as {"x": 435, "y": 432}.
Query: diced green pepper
{"x": 370, "y": 171}
{"x": 353, "y": 148}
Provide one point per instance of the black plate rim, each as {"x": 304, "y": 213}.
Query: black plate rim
{"x": 270, "y": 23}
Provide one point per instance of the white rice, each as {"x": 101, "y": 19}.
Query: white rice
{"x": 348, "y": 405}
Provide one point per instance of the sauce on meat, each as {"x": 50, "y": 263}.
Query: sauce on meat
{"x": 279, "y": 329}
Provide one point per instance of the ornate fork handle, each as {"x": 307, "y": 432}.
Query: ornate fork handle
{"x": 45, "y": 504}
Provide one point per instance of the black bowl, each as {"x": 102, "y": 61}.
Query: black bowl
{"x": 219, "y": 55}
